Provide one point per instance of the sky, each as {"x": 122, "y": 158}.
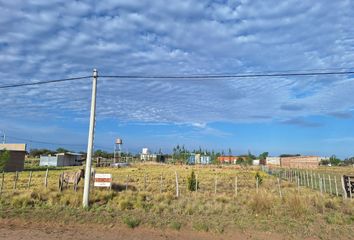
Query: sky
{"x": 44, "y": 40}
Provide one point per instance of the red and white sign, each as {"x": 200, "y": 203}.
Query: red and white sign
{"x": 103, "y": 180}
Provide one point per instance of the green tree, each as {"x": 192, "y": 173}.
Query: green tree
{"x": 62, "y": 150}
{"x": 334, "y": 160}
{"x": 192, "y": 182}
{"x": 4, "y": 158}
{"x": 263, "y": 155}
{"x": 259, "y": 177}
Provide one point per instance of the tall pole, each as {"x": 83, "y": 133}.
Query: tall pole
{"x": 85, "y": 201}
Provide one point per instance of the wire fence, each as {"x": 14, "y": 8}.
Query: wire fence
{"x": 325, "y": 183}
{"x": 277, "y": 181}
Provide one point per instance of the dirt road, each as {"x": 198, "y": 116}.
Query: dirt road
{"x": 15, "y": 229}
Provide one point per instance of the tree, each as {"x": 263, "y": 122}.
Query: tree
{"x": 263, "y": 155}
{"x": 192, "y": 182}
{"x": 4, "y": 158}
{"x": 334, "y": 160}
{"x": 62, "y": 150}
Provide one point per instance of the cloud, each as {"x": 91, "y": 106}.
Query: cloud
{"x": 55, "y": 40}
{"x": 302, "y": 123}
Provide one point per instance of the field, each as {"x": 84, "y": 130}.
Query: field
{"x": 227, "y": 202}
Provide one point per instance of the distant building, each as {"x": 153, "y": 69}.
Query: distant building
{"x": 146, "y": 156}
{"x": 198, "y": 159}
{"x": 301, "y": 161}
{"x": 61, "y": 159}
{"x": 17, "y": 156}
{"x": 255, "y": 162}
{"x": 230, "y": 159}
{"x": 272, "y": 161}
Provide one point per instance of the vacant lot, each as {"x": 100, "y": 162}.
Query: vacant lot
{"x": 227, "y": 202}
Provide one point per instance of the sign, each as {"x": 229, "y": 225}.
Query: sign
{"x": 103, "y": 180}
{"x": 348, "y": 185}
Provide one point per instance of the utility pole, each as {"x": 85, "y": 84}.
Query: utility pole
{"x": 3, "y": 137}
{"x": 85, "y": 201}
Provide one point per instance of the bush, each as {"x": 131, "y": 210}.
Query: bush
{"x": 4, "y": 158}
{"x": 175, "y": 225}
{"x": 259, "y": 177}
{"x": 192, "y": 182}
{"x": 131, "y": 222}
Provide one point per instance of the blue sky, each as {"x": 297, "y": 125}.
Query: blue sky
{"x": 41, "y": 40}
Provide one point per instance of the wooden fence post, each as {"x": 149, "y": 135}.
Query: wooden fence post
{"x": 196, "y": 183}
{"x": 330, "y": 184}
{"x": 320, "y": 184}
{"x": 343, "y": 188}
{"x": 236, "y": 190}
{"x": 324, "y": 183}
{"x": 335, "y": 183}
{"x": 29, "y": 180}
{"x": 177, "y": 187}
{"x": 144, "y": 181}
{"x": 15, "y": 180}
{"x": 298, "y": 185}
{"x": 311, "y": 179}
{"x": 308, "y": 180}
{"x": 257, "y": 184}
{"x": 161, "y": 183}
{"x": 126, "y": 183}
{"x": 216, "y": 185}
{"x": 46, "y": 178}
{"x": 2, "y": 182}
{"x": 279, "y": 188}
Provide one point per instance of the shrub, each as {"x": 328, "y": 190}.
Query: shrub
{"x": 192, "y": 182}
{"x": 4, "y": 158}
{"x": 261, "y": 203}
{"x": 175, "y": 225}
{"x": 131, "y": 222}
{"x": 201, "y": 226}
{"x": 259, "y": 177}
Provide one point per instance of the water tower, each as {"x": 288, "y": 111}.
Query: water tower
{"x": 117, "y": 150}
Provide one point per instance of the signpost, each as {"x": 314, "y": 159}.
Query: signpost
{"x": 103, "y": 180}
{"x": 348, "y": 186}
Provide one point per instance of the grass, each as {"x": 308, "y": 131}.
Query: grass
{"x": 298, "y": 213}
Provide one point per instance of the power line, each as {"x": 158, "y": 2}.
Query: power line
{"x": 228, "y": 76}
{"x": 53, "y": 143}
{"x": 43, "y": 82}
{"x": 184, "y": 77}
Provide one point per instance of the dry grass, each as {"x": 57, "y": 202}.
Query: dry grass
{"x": 298, "y": 213}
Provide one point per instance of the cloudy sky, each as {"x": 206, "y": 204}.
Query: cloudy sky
{"x": 43, "y": 40}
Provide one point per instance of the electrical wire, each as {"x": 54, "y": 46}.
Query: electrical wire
{"x": 223, "y": 76}
{"x": 43, "y": 82}
{"x": 52, "y": 143}
{"x": 184, "y": 77}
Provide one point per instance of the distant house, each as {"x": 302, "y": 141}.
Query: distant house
{"x": 198, "y": 159}
{"x": 146, "y": 156}
{"x": 230, "y": 159}
{"x": 61, "y": 160}
{"x": 256, "y": 162}
{"x": 17, "y": 156}
{"x": 272, "y": 161}
{"x": 301, "y": 161}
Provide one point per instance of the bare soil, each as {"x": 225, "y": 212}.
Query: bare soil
{"x": 16, "y": 229}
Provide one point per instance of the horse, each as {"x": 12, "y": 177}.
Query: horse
{"x": 71, "y": 177}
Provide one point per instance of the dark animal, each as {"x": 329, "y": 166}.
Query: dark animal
{"x": 71, "y": 177}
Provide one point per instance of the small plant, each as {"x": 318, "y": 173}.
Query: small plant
{"x": 4, "y": 158}
{"x": 131, "y": 222}
{"x": 192, "y": 182}
{"x": 201, "y": 226}
{"x": 259, "y": 177}
{"x": 175, "y": 225}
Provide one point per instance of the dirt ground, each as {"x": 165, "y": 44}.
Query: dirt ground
{"x": 15, "y": 229}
